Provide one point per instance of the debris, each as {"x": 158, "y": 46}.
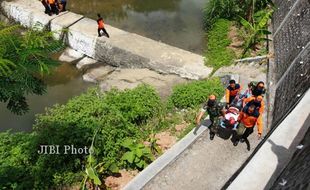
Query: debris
{"x": 300, "y": 146}
{"x": 283, "y": 182}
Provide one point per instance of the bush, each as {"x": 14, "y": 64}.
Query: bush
{"x": 17, "y": 152}
{"x": 193, "y": 94}
{"x": 116, "y": 115}
{"x": 232, "y": 10}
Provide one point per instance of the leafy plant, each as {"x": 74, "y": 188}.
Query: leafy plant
{"x": 90, "y": 172}
{"x": 23, "y": 58}
{"x": 232, "y": 9}
{"x": 155, "y": 149}
{"x": 137, "y": 155}
{"x": 193, "y": 94}
{"x": 257, "y": 30}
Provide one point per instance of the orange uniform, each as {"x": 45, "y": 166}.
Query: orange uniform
{"x": 259, "y": 98}
{"x": 100, "y": 23}
{"x": 231, "y": 93}
{"x": 51, "y": 1}
{"x": 249, "y": 120}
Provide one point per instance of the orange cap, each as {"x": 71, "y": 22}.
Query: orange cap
{"x": 212, "y": 97}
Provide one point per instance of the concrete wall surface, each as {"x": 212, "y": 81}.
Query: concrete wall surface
{"x": 276, "y": 152}
{"x": 123, "y": 49}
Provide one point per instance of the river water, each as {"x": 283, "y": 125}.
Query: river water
{"x": 175, "y": 22}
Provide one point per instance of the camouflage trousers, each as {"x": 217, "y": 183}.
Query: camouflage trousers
{"x": 215, "y": 122}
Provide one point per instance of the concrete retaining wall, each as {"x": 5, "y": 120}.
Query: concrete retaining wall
{"x": 121, "y": 49}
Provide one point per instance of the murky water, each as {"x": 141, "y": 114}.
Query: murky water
{"x": 175, "y": 22}
{"x": 64, "y": 83}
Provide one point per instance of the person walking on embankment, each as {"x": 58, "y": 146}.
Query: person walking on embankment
{"x": 215, "y": 109}
{"x": 232, "y": 91}
{"x": 62, "y": 5}
{"x": 247, "y": 120}
{"x": 50, "y": 7}
{"x": 100, "y": 23}
{"x": 46, "y": 6}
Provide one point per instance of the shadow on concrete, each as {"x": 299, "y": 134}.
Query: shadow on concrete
{"x": 225, "y": 133}
{"x": 204, "y": 123}
{"x": 283, "y": 155}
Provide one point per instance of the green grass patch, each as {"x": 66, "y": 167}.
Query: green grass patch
{"x": 193, "y": 94}
{"x": 217, "y": 54}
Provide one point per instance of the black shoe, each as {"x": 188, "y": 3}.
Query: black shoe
{"x": 236, "y": 143}
{"x": 212, "y": 136}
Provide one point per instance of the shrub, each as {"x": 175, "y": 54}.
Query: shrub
{"x": 193, "y": 94}
{"x": 116, "y": 115}
{"x": 17, "y": 152}
{"x": 232, "y": 9}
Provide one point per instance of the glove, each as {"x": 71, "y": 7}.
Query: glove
{"x": 259, "y": 135}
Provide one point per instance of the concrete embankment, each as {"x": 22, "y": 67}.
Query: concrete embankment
{"x": 121, "y": 49}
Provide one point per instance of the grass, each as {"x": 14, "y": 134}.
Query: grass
{"x": 218, "y": 55}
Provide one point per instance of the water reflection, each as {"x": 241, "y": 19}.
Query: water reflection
{"x": 64, "y": 83}
{"x": 175, "y": 22}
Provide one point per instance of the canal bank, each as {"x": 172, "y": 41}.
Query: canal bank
{"x": 122, "y": 49}
{"x": 156, "y": 21}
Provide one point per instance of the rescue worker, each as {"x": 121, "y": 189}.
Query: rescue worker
{"x": 101, "y": 26}
{"x": 46, "y": 6}
{"x": 259, "y": 104}
{"x": 53, "y": 7}
{"x": 63, "y": 4}
{"x": 248, "y": 92}
{"x": 258, "y": 89}
{"x": 215, "y": 110}
{"x": 247, "y": 120}
{"x": 257, "y": 101}
{"x": 232, "y": 91}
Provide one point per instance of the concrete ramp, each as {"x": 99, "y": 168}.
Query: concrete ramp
{"x": 121, "y": 49}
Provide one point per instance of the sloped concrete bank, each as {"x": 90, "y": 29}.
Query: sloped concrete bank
{"x": 121, "y": 49}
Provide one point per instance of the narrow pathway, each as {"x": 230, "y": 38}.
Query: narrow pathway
{"x": 209, "y": 164}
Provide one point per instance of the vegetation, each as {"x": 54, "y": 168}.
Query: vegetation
{"x": 115, "y": 116}
{"x": 23, "y": 58}
{"x": 137, "y": 156}
{"x": 256, "y": 30}
{"x": 193, "y": 94}
{"x": 217, "y": 54}
{"x": 114, "y": 125}
{"x": 233, "y": 10}
{"x": 253, "y": 15}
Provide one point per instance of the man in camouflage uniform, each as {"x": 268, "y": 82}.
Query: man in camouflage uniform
{"x": 215, "y": 110}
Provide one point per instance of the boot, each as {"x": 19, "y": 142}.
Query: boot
{"x": 212, "y": 136}
{"x": 236, "y": 143}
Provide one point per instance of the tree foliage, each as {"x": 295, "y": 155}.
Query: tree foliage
{"x": 233, "y": 9}
{"x": 24, "y": 57}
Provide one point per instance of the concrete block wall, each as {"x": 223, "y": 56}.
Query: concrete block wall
{"x": 121, "y": 49}
{"x": 291, "y": 65}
